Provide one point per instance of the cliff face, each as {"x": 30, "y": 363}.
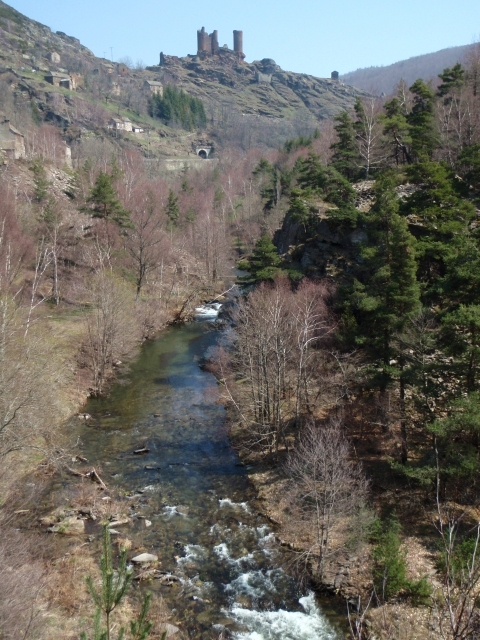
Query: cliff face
{"x": 321, "y": 249}
{"x": 260, "y": 88}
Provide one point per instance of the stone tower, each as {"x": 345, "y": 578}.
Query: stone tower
{"x": 214, "y": 41}
{"x": 238, "y": 42}
{"x": 204, "y": 42}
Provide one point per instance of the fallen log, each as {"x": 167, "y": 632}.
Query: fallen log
{"x": 92, "y": 475}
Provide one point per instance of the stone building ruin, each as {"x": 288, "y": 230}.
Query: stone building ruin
{"x": 207, "y": 44}
{"x": 12, "y": 142}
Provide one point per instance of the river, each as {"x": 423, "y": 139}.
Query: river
{"x": 194, "y": 491}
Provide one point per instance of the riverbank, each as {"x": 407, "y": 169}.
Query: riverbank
{"x": 349, "y": 576}
{"x": 58, "y": 548}
{"x": 348, "y": 572}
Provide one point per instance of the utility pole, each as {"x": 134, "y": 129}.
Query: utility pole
{"x": 111, "y": 54}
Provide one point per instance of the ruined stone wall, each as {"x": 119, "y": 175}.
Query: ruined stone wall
{"x": 204, "y": 42}
{"x": 208, "y": 44}
{"x": 263, "y": 78}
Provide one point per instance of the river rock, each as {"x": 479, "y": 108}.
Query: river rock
{"x": 141, "y": 452}
{"x": 171, "y": 629}
{"x": 145, "y": 557}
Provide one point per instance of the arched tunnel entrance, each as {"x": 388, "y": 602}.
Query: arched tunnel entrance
{"x": 203, "y": 151}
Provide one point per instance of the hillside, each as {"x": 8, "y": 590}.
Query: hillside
{"x": 380, "y": 80}
{"x": 253, "y": 104}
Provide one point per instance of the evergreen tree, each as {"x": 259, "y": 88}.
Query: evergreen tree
{"x": 469, "y": 163}
{"x": 457, "y": 439}
{"x": 105, "y": 203}
{"x": 264, "y": 262}
{"x": 442, "y": 215}
{"x": 387, "y": 293}
{"x": 176, "y": 106}
{"x": 115, "y": 583}
{"x": 390, "y": 566}
{"x": 345, "y": 153}
{"x": 421, "y": 121}
{"x": 452, "y": 79}
{"x": 462, "y": 340}
{"x": 325, "y": 181}
{"x": 461, "y": 284}
{"x": 40, "y": 181}
{"x": 271, "y": 186}
{"x": 397, "y": 131}
{"x": 172, "y": 209}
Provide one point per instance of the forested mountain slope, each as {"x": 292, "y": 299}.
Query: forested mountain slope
{"x": 371, "y": 304}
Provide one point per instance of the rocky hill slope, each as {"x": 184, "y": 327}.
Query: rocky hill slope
{"x": 247, "y": 104}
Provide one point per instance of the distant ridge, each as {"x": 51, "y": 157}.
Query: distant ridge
{"x": 378, "y": 80}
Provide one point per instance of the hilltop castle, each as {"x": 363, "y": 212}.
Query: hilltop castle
{"x": 207, "y": 44}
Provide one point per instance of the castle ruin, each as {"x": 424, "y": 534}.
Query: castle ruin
{"x": 207, "y": 44}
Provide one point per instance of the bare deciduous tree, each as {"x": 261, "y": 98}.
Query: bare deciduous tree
{"x": 369, "y": 134}
{"x": 145, "y": 240}
{"x": 110, "y": 327}
{"x": 22, "y": 580}
{"x": 456, "y": 608}
{"x": 328, "y": 490}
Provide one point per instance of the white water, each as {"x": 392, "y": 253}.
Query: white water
{"x": 308, "y": 624}
{"x": 170, "y": 512}
{"x": 208, "y": 311}
{"x": 213, "y": 542}
{"x": 226, "y": 502}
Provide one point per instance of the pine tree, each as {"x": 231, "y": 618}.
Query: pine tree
{"x": 387, "y": 294}
{"x": 40, "y": 181}
{"x": 397, "y": 131}
{"x": 104, "y": 200}
{"x": 469, "y": 162}
{"x": 462, "y": 340}
{"x": 115, "y": 583}
{"x": 264, "y": 262}
{"x": 421, "y": 121}
{"x": 172, "y": 210}
{"x": 271, "y": 187}
{"x": 443, "y": 217}
{"x": 345, "y": 153}
{"x": 452, "y": 79}
{"x": 176, "y": 106}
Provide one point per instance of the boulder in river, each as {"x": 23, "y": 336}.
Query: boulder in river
{"x": 145, "y": 557}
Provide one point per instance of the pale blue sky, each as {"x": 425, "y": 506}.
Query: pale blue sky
{"x": 304, "y": 36}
